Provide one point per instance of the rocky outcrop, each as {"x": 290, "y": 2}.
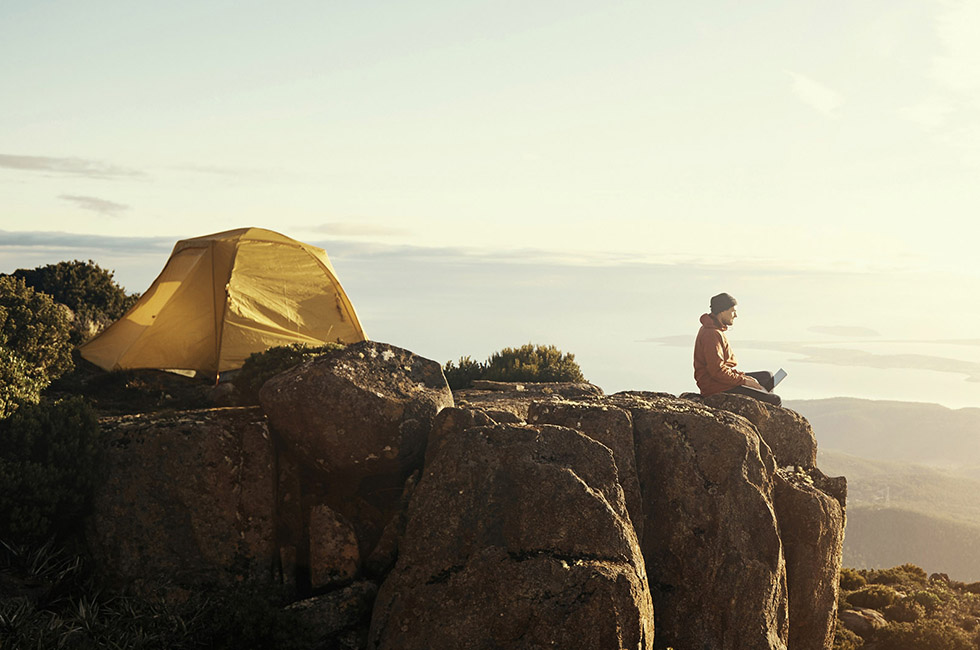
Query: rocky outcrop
{"x": 498, "y": 398}
{"x": 488, "y": 560}
{"x": 711, "y": 543}
{"x": 356, "y": 424}
{"x": 811, "y": 525}
{"x": 339, "y": 620}
{"x": 188, "y": 500}
{"x": 363, "y": 412}
{"x": 506, "y": 517}
{"x": 863, "y": 621}
{"x": 609, "y": 425}
{"x": 788, "y": 434}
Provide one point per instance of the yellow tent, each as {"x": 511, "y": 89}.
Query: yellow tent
{"x": 222, "y": 297}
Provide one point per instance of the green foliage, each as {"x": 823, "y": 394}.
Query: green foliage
{"x": 462, "y": 374}
{"x": 850, "y": 579}
{"x": 50, "y": 602}
{"x": 18, "y": 385}
{"x": 925, "y": 633}
{"x": 36, "y": 328}
{"x": 533, "y": 363}
{"x": 50, "y": 460}
{"x": 906, "y": 575}
{"x": 262, "y": 366}
{"x": 844, "y": 639}
{"x": 873, "y": 596}
{"x": 928, "y": 600}
{"x": 84, "y": 287}
{"x": 906, "y": 610}
{"x": 530, "y": 363}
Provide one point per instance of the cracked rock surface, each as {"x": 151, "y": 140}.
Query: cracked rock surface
{"x": 489, "y": 561}
{"x": 711, "y": 540}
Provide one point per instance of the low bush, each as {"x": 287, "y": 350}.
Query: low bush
{"x": 906, "y": 575}
{"x": 262, "y": 366}
{"x": 18, "y": 384}
{"x": 50, "y": 601}
{"x": 35, "y": 327}
{"x": 50, "y": 460}
{"x": 906, "y": 610}
{"x": 851, "y": 579}
{"x": 533, "y": 363}
{"x": 844, "y": 639}
{"x": 927, "y": 599}
{"x": 530, "y": 363}
{"x": 873, "y": 596}
{"x": 462, "y": 374}
{"x": 926, "y": 633}
{"x": 84, "y": 287}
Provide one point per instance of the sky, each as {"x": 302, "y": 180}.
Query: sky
{"x": 485, "y": 174}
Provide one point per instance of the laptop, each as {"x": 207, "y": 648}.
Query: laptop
{"x": 778, "y": 377}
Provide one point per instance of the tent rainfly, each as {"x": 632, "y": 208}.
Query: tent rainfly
{"x": 222, "y": 297}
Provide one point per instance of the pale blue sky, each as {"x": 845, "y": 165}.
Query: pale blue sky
{"x": 624, "y": 160}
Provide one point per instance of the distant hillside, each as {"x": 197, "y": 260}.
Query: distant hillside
{"x": 885, "y": 537}
{"x": 908, "y": 486}
{"x": 900, "y": 512}
{"x": 922, "y": 433}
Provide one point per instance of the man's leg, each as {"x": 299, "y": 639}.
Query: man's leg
{"x": 766, "y": 379}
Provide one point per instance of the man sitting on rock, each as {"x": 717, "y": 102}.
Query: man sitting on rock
{"x": 714, "y": 361}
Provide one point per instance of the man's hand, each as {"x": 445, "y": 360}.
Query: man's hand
{"x": 751, "y": 382}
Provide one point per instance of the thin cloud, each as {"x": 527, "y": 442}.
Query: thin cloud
{"x": 355, "y": 229}
{"x": 843, "y": 330}
{"x": 847, "y": 357}
{"x": 67, "y": 166}
{"x": 69, "y": 242}
{"x": 95, "y": 204}
{"x": 930, "y": 113}
{"x": 957, "y": 27}
{"x": 816, "y": 95}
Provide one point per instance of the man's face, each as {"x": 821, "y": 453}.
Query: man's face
{"x": 727, "y": 317}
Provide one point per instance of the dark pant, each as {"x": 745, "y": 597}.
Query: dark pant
{"x": 765, "y": 378}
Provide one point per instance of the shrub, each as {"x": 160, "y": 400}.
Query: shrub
{"x": 873, "y": 596}
{"x": 17, "y": 383}
{"x": 850, "y": 579}
{"x": 464, "y": 373}
{"x": 906, "y": 610}
{"x": 48, "y": 602}
{"x": 35, "y": 327}
{"x": 84, "y": 287}
{"x": 907, "y": 575}
{"x": 926, "y": 633}
{"x": 49, "y": 463}
{"x": 927, "y": 599}
{"x": 262, "y": 366}
{"x": 844, "y": 639}
{"x": 532, "y": 363}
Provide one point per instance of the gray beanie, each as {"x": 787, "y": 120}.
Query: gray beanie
{"x": 722, "y": 302}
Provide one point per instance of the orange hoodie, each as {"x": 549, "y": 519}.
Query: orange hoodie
{"x": 714, "y": 361}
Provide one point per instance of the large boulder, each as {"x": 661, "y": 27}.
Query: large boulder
{"x": 363, "y": 412}
{"x": 358, "y": 420}
{"x": 609, "y": 425}
{"x": 711, "y": 541}
{"x": 339, "y": 620}
{"x": 787, "y": 433}
{"x": 517, "y": 536}
{"x": 188, "y": 500}
{"x": 498, "y": 398}
{"x": 811, "y": 524}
